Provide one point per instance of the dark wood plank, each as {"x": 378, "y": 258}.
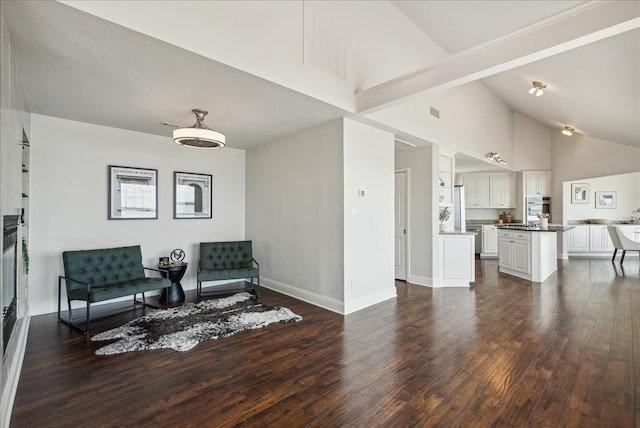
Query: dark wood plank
{"x": 504, "y": 353}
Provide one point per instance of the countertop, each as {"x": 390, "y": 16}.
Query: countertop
{"x": 457, "y": 233}
{"x": 550, "y": 228}
{"x": 612, "y": 222}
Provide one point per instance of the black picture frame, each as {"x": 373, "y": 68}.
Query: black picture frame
{"x": 192, "y": 195}
{"x": 133, "y": 193}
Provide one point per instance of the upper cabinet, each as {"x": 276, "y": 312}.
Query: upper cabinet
{"x": 476, "y": 191}
{"x": 489, "y": 190}
{"x": 537, "y": 183}
{"x": 502, "y": 191}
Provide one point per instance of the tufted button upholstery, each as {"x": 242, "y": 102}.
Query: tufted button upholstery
{"x": 227, "y": 260}
{"x": 112, "y": 272}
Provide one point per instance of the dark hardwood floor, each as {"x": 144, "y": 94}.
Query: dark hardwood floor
{"x": 506, "y": 352}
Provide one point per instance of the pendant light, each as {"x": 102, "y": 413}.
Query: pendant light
{"x": 199, "y": 135}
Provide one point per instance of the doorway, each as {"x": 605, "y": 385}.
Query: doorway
{"x": 400, "y": 237}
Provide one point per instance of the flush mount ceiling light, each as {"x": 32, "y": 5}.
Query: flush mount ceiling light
{"x": 199, "y": 135}
{"x": 537, "y": 88}
{"x": 496, "y": 157}
{"x": 568, "y": 131}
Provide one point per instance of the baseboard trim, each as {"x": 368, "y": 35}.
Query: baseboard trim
{"x": 369, "y": 300}
{"x": 13, "y": 372}
{"x": 316, "y": 299}
{"x": 420, "y": 280}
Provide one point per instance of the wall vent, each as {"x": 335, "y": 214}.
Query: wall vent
{"x": 434, "y": 112}
{"x": 324, "y": 44}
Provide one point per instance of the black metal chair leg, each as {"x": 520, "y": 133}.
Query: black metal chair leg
{"x": 622, "y": 258}
{"x": 86, "y": 322}
{"x": 615, "y": 250}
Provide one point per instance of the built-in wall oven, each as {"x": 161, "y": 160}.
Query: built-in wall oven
{"x": 537, "y": 205}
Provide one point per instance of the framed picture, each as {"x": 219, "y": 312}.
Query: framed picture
{"x": 606, "y": 200}
{"x": 192, "y": 195}
{"x": 133, "y": 193}
{"x": 579, "y": 193}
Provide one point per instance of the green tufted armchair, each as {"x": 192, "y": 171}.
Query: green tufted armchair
{"x": 227, "y": 260}
{"x": 104, "y": 274}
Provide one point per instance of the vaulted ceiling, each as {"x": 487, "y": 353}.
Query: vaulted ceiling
{"x": 78, "y": 66}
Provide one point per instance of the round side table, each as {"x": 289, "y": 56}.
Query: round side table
{"x": 175, "y": 293}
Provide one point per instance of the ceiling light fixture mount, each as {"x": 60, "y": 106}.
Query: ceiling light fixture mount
{"x": 537, "y": 88}
{"x": 568, "y": 131}
{"x": 496, "y": 157}
{"x": 198, "y": 135}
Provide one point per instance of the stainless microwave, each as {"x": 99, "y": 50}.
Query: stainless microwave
{"x": 537, "y": 205}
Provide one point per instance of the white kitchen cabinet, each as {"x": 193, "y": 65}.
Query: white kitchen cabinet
{"x": 599, "y": 239}
{"x": 489, "y": 191}
{"x": 537, "y": 183}
{"x": 594, "y": 240}
{"x": 631, "y": 232}
{"x": 476, "y": 190}
{"x": 527, "y": 255}
{"x": 457, "y": 260}
{"x": 579, "y": 238}
{"x": 515, "y": 251}
{"x": 501, "y": 191}
{"x": 489, "y": 242}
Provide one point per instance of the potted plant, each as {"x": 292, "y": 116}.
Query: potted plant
{"x": 444, "y": 216}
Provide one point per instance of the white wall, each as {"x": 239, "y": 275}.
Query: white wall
{"x": 294, "y": 206}
{"x": 627, "y": 188}
{"x": 580, "y": 157}
{"x": 531, "y": 144}
{"x": 420, "y": 231}
{"x": 369, "y": 257}
{"x": 300, "y": 192}
{"x": 69, "y": 198}
{"x": 473, "y": 121}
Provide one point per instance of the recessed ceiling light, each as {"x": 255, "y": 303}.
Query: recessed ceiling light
{"x": 568, "y": 131}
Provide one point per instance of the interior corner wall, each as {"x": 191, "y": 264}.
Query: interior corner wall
{"x": 294, "y": 206}
{"x": 531, "y": 144}
{"x": 580, "y": 157}
{"x": 420, "y": 225}
{"x": 69, "y": 188}
{"x": 473, "y": 120}
{"x": 369, "y": 259}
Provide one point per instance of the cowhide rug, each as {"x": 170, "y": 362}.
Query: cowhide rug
{"x": 184, "y": 327}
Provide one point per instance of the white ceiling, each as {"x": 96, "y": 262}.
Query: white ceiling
{"x": 79, "y": 67}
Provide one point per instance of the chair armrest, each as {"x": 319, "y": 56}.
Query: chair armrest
{"x": 66, "y": 278}
{"x": 256, "y": 262}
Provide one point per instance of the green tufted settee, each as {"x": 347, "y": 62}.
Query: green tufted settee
{"x": 227, "y": 260}
{"x": 104, "y": 274}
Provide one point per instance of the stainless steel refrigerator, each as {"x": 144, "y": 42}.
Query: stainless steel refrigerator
{"x": 459, "y": 219}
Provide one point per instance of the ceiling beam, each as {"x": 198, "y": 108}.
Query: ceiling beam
{"x": 578, "y": 27}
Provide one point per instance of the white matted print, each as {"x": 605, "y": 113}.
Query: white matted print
{"x": 133, "y": 193}
{"x": 606, "y": 200}
{"x": 579, "y": 193}
{"x": 192, "y": 195}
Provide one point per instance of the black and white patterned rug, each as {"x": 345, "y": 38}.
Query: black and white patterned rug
{"x": 184, "y": 327}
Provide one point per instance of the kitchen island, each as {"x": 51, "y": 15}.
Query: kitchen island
{"x": 529, "y": 252}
